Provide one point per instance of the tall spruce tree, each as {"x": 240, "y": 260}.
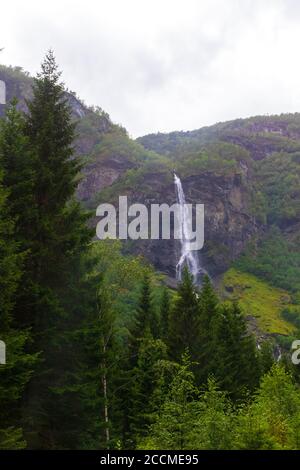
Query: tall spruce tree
{"x": 150, "y": 352}
{"x": 208, "y": 320}
{"x": 234, "y": 359}
{"x": 62, "y": 227}
{"x": 17, "y": 369}
{"x": 184, "y": 321}
{"x": 174, "y": 420}
{"x": 164, "y": 314}
{"x": 244, "y": 353}
{"x": 19, "y": 178}
{"x": 58, "y": 296}
{"x": 146, "y": 321}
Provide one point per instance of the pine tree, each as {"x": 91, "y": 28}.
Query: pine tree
{"x": 209, "y": 318}
{"x": 164, "y": 314}
{"x": 19, "y": 174}
{"x": 19, "y": 178}
{"x": 145, "y": 322}
{"x": 144, "y": 309}
{"x": 184, "y": 321}
{"x": 59, "y": 295}
{"x": 272, "y": 420}
{"x": 266, "y": 357}
{"x": 143, "y": 383}
{"x": 16, "y": 372}
{"x": 174, "y": 419}
{"x": 49, "y": 127}
{"x": 214, "y": 427}
{"x": 235, "y": 361}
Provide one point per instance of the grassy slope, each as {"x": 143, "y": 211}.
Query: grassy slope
{"x": 258, "y": 299}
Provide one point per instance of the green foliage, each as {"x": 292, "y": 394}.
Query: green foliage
{"x": 173, "y": 421}
{"x": 266, "y": 356}
{"x": 55, "y": 297}
{"x": 150, "y": 353}
{"x": 165, "y": 306}
{"x": 128, "y": 286}
{"x": 236, "y": 364}
{"x": 18, "y": 162}
{"x": 118, "y": 144}
{"x": 279, "y": 180}
{"x": 193, "y": 419}
{"x": 271, "y": 421}
{"x": 184, "y": 320}
{"x": 218, "y": 157}
{"x": 16, "y": 373}
{"x": 216, "y": 337}
{"x": 146, "y": 321}
{"x": 292, "y": 315}
{"x": 274, "y": 259}
{"x": 189, "y": 419}
{"x": 258, "y": 299}
{"x": 92, "y": 334}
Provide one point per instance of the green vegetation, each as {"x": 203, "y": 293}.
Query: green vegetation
{"x": 258, "y": 299}
{"x": 278, "y": 178}
{"x": 101, "y": 354}
{"x": 15, "y": 375}
{"x": 190, "y": 418}
{"x": 219, "y": 157}
{"x": 50, "y": 229}
{"x": 292, "y": 315}
{"x": 274, "y": 259}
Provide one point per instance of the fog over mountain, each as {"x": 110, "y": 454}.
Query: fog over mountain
{"x": 159, "y": 66}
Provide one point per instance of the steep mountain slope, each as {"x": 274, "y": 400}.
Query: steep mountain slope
{"x": 246, "y": 172}
{"x": 260, "y": 135}
{"x": 105, "y": 148}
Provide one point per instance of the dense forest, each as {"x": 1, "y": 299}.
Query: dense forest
{"x": 101, "y": 353}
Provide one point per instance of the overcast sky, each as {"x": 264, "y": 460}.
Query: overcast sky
{"x": 163, "y": 65}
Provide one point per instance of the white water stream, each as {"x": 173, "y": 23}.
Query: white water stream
{"x": 188, "y": 257}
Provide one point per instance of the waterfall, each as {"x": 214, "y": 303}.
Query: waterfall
{"x": 188, "y": 257}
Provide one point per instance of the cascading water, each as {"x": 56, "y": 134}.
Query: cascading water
{"x": 188, "y": 257}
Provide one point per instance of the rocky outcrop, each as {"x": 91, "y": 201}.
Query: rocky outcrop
{"x": 228, "y": 223}
{"x": 96, "y": 177}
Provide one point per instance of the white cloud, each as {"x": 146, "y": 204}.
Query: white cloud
{"x": 161, "y": 65}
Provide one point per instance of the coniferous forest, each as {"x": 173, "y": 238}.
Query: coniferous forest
{"x": 101, "y": 352}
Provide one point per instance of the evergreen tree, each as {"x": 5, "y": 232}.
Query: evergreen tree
{"x": 19, "y": 174}
{"x": 57, "y": 296}
{"x": 62, "y": 230}
{"x": 145, "y": 322}
{"x": 184, "y": 321}
{"x": 150, "y": 353}
{"x": 19, "y": 177}
{"x": 16, "y": 372}
{"x": 272, "y": 420}
{"x": 164, "y": 314}
{"x": 209, "y": 318}
{"x": 234, "y": 361}
{"x": 175, "y": 418}
{"x": 144, "y": 309}
{"x": 266, "y": 357}
{"x": 214, "y": 424}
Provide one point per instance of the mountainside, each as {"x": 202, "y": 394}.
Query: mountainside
{"x": 246, "y": 172}
{"x": 105, "y": 148}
